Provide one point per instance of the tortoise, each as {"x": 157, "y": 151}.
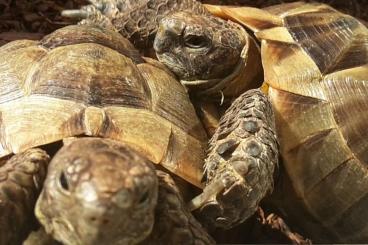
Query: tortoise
{"x": 315, "y": 71}
{"x": 117, "y": 113}
{"x": 314, "y": 62}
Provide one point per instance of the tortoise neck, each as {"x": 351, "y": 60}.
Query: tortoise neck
{"x": 246, "y": 75}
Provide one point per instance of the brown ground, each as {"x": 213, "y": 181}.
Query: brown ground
{"x": 32, "y": 19}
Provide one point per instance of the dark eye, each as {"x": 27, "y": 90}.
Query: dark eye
{"x": 144, "y": 197}
{"x": 194, "y": 41}
{"x": 63, "y": 181}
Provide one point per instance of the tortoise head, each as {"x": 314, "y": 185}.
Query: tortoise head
{"x": 202, "y": 50}
{"x": 98, "y": 192}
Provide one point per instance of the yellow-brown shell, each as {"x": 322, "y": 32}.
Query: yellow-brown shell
{"x": 83, "y": 80}
{"x": 315, "y": 63}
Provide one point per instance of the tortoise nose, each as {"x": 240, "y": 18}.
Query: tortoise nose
{"x": 160, "y": 43}
{"x": 169, "y": 30}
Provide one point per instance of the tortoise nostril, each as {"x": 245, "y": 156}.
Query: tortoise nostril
{"x": 159, "y": 45}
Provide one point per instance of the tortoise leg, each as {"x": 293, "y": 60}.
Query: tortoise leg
{"x": 174, "y": 224}
{"x": 21, "y": 179}
{"x": 99, "y": 13}
{"x": 241, "y": 161}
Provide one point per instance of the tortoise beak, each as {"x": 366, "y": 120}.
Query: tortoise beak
{"x": 160, "y": 43}
{"x": 168, "y": 32}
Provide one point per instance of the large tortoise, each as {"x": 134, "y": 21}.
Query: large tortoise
{"x": 315, "y": 62}
{"x": 84, "y": 81}
{"x": 315, "y": 71}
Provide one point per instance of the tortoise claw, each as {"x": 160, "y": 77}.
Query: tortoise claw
{"x": 98, "y": 4}
{"x": 74, "y": 13}
{"x": 241, "y": 162}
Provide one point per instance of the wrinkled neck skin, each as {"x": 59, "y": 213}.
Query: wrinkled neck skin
{"x": 247, "y": 74}
{"x": 98, "y": 192}
{"x": 213, "y": 58}
{"x": 140, "y": 19}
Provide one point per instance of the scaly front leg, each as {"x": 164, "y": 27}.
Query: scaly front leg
{"x": 135, "y": 20}
{"x": 241, "y": 162}
{"x": 21, "y": 180}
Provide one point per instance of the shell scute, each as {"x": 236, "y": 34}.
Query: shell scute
{"x": 334, "y": 42}
{"x": 90, "y": 77}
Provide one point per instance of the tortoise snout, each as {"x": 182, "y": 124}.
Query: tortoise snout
{"x": 168, "y": 32}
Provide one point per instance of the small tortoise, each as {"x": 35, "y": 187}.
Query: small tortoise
{"x": 314, "y": 60}
{"x": 87, "y": 81}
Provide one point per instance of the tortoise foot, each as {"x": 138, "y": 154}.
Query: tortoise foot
{"x": 241, "y": 161}
{"x": 277, "y": 223}
{"x": 174, "y": 224}
{"x": 98, "y": 13}
{"x": 21, "y": 179}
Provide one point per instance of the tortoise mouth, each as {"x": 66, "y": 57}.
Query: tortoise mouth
{"x": 173, "y": 63}
{"x": 214, "y": 88}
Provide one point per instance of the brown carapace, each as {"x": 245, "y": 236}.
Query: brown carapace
{"x": 315, "y": 62}
{"x": 84, "y": 81}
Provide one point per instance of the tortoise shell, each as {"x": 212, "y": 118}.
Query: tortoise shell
{"x": 85, "y": 81}
{"x": 315, "y": 62}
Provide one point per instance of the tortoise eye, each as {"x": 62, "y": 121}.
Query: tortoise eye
{"x": 195, "y": 42}
{"x": 144, "y": 197}
{"x": 63, "y": 181}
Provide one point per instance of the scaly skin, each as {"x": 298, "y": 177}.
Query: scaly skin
{"x": 136, "y": 20}
{"x": 21, "y": 179}
{"x": 174, "y": 224}
{"x": 241, "y": 161}
{"x": 99, "y": 191}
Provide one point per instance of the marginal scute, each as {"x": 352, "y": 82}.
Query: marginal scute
{"x": 253, "y": 18}
{"x": 338, "y": 202}
{"x": 278, "y": 34}
{"x": 299, "y": 116}
{"x": 334, "y": 43}
{"x": 284, "y": 73}
{"x": 347, "y": 91}
{"x": 299, "y": 8}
